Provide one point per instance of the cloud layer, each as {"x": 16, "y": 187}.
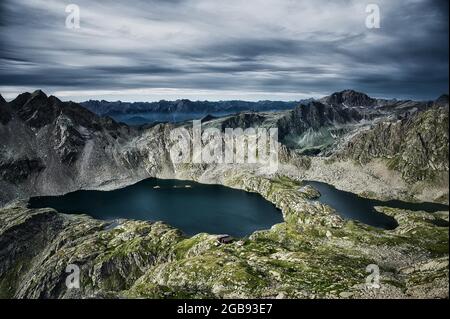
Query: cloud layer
{"x": 203, "y": 49}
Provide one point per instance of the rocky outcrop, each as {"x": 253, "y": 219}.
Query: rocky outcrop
{"x": 416, "y": 146}
{"x": 36, "y": 246}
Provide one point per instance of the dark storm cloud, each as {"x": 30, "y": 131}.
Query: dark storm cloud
{"x": 261, "y": 47}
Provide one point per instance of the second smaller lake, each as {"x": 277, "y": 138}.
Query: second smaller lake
{"x": 351, "y": 206}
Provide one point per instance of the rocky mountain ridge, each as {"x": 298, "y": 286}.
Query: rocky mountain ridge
{"x": 415, "y": 145}
{"x": 315, "y": 127}
{"x": 52, "y": 147}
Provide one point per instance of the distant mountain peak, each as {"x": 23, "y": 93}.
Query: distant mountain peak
{"x": 38, "y": 93}
{"x": 350, "y": 91}
{"x": 23, "y": 99}
{"x": 37, "y": 99}
{"x": 349, "y": 98}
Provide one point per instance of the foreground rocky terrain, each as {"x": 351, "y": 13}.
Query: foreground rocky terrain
{"x": 376, "y": 148}
{"x": 313, "y": 254}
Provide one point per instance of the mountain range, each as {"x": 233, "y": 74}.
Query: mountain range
{"x": 184, "y": 106}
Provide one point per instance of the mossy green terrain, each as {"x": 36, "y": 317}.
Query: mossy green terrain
{"x": 312, "y": 254}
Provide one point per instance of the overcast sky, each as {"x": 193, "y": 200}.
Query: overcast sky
{"x": 234, "y": 49}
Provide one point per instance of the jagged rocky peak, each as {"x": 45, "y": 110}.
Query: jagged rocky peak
{"x": 2, "y": 100}
{"x": 349, "y": 98}
{"x": 36, "y": 108}
{"x": 39, "y": 93}
{"x": 38, "y": 97}
{"x": 20, "y": 100}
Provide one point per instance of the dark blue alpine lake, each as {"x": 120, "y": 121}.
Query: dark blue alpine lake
{"x": 191, "y": 207}
{"x": 196, "y": 208}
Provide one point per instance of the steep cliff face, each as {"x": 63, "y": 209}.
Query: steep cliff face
{"x": 416, "y": 145}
